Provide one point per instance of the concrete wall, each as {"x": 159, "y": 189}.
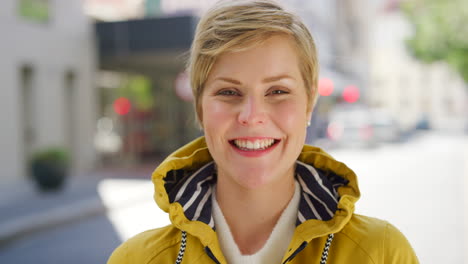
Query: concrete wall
{"x": 51, "y": 50}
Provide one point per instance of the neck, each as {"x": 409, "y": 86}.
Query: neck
{"x": 252, "y": 213}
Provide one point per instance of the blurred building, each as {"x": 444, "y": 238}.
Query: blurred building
{"x": 147, "y": 40}
{"x": 417, "y": 94}
{"x": 48, "y": 94}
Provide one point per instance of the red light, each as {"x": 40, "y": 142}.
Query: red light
{"x": 325, "y": 87}
{"x": 351, "y": 94}
{"x": 122, "y": 106}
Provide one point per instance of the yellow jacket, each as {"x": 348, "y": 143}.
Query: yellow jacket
{"x": 357, "y": 239}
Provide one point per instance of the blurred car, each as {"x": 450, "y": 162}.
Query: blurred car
{"x": 423, "y": 123}
{"x": 386, "y": 128}
{"x": 351, "y": 126}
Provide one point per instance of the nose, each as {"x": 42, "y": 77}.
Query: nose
{"x": 252, "y": 112}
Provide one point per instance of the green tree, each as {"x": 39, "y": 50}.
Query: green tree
{"x": 441, "y": 32}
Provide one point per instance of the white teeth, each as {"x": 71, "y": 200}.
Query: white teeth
{"x": 250, "y": 145}
{"x": 258, "y": 144}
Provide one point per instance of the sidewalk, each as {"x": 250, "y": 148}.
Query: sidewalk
{"x": 24, "y": 210}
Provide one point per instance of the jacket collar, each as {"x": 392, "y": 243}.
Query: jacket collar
{"x": 193, "y": 189}
{"x": 183, "y": 187}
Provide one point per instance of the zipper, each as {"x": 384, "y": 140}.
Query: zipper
{"x": 299, "y": 249}
{"x": 326, "y": 249}
{"x": 210, "y": 254}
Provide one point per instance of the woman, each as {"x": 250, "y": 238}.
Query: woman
{"x": 250, "y": 191}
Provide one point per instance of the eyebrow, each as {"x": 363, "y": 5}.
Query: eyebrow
{"x": 226, "y": 79}
{"x": 266, "y": 80}
{"x": 277, "y": 78}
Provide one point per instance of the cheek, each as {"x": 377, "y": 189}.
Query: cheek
{"x": 291, "y": 117}
{"x": 215, "y": 115}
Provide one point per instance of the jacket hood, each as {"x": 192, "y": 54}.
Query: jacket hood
{"x": 174, "y": 174}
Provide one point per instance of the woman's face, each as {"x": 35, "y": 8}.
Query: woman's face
{"x": 254, "y": 111}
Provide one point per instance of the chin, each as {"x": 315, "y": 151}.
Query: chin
{"x": 254, "y": 179}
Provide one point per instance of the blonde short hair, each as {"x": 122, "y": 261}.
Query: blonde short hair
{"x": 231, "y": 26}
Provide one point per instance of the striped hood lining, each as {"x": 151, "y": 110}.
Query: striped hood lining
{"x": 192, "y": 190}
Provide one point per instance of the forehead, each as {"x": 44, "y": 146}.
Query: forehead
{"x": 276, "y": 55}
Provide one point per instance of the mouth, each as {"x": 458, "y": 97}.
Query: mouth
{"x": 252, "y": 145}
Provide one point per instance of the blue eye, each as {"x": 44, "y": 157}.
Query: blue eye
{"x": 278, "y": 92}
{"x": 228, "y": 92}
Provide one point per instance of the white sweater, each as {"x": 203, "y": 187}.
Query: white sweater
{"x": 276, "y": 245}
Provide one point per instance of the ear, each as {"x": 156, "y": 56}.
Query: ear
{"x": 313, "y": 93}
{"x": 309, "y": 118}
{"x": 309, "y": 114}
{"x": 310, "y": 106}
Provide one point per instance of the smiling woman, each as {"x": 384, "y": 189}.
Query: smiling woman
{"x": 252, "y": 97}
{"x": 250, "y": 191}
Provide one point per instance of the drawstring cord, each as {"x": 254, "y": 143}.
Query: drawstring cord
{"x": 183, "y": 244}
{"x": 326, "y": 249}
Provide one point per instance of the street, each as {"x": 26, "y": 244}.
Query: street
{"x": 418, "y": 186}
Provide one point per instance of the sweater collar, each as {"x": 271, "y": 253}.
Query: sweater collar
{"x": 274, "y": 248}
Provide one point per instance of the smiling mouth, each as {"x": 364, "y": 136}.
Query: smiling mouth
{"x": 254, "y": 145}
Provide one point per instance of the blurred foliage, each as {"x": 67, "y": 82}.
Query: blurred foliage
{"x": 138, "y": 90}
{"x": 56, "y": 155}
{"x": 50, "y": 167}
{"x": 441, "y": 32}
{"x": 37, "y": 10}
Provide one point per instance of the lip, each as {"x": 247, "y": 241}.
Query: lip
{"x": 254, "y": 153}
{"x": 252, "y": 138}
